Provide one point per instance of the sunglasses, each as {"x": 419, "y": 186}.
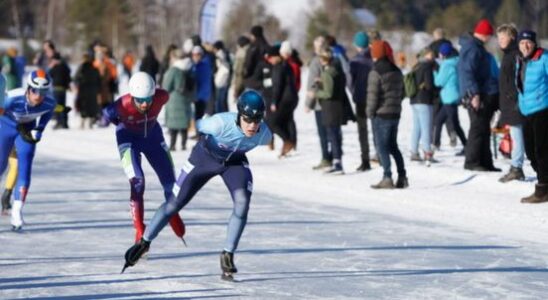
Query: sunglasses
{"x": 147, "y": 100}
{"x": 255, "y": 120}
{"x": 40, "y": 92}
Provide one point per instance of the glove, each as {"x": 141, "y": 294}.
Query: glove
{"x": 31, "y": 136}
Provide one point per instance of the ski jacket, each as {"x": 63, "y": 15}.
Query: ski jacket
{"x": 532, "y": 82}
{"x": 474, "y": 67}
{"x": 447, "y": 78}
{"x": 125, "y": 115}
{"x": 508, "y": 93}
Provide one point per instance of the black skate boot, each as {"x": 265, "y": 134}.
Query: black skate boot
{"x": 6, "y": 205}
{"x": 135, "y": 252}
{"x": 227, "y": 265}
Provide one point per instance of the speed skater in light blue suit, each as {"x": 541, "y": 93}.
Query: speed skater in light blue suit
{"x": 23, "y": 117}
{"x": 225, "y": 139}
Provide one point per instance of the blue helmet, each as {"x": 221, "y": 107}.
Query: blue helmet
{"x": 251, "y": 105}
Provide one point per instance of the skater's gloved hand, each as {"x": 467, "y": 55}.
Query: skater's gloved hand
{"x": 31, "y": 136}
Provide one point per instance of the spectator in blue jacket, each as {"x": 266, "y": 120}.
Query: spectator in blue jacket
{"x": 447, "y": 78}
{"x": 532, "y": 84}
{"x": 203, "y": 76}
{"x": 476, "y": 87}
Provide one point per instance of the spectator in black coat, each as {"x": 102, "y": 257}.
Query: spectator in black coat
{"x": 255, "y": 54}
{"x": 60, "y": 75}
{"x": 149, "y": 63}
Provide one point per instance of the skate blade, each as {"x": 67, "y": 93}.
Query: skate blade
{"x": 184, "y": 242}
{"x": 126, "y": 265}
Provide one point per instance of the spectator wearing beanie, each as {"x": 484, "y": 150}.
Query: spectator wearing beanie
{"x": 532, "y": 85}
{"x": 291, "y": 57}
{"x": 447, "y": 79}
{"x": 284, "y": 98}
{"x": 360, "y": 65}
{"x": 509, "y": 111}
{"x": 384, "y": 96}
{"x": 475, "y": 78}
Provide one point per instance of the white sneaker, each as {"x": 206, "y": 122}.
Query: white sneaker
{"x": 17, "y": 214}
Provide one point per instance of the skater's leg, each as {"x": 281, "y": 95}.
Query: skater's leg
{"x": 196, "y": 172}
{"x": 159, "y": 157}
{"x": 131, "y": 161}
{"x": 239, "y": 182}
{"x": 25, "y": 156}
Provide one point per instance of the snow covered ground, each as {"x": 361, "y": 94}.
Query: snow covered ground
{"x": 452, "y": 234}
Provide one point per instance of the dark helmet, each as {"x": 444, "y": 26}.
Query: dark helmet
{"x": 251, "y": 105}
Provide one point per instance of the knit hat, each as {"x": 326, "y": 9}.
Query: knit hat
{"x": 285, "y": 48}
{"x": 361, "y": 39}
{"x": 377, "y": 49}
{"x": 273, "y": 51}
{"x": 527, "y": 35}
{"x": 484, "y": 27}
{"x": 257, "y": 30}
{"x": 445, "y": 49}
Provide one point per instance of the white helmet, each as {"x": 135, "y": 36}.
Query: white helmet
{"x": 141, "y": 85}
{"x": 39, "y": 79}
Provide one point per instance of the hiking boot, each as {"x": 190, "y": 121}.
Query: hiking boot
{"x": 402, "y": 182}
{"x": 385, "y": 183}
{"x": 324, "y": 163}
{"x": 540, "y": 195}
{"x": 365, "y": 166}
{"x": 337, "y": 169}
{"x": 513, "y": 174}
{"x": 227, "y": 262}
{"x": 415, "y": 157}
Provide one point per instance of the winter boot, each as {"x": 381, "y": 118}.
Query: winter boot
{"x": 337, "y": 168}
{"x": 402, "y": 182}
{"x": 365, "y": 166}
{"x": 17, "y": 221}
{"x": 540, "y": 195}
{"x": 385, "y": 183}
{"x": 6, "y": 196}
{"x": 227, "y": 262}
{"x": 429, "y": 158}
{"x": 513, "y": 174}
{"x": 324, "y": 163}
{"x": 415, "y": 157}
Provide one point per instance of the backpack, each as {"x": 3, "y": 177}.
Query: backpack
{"x": 410, "y": 84}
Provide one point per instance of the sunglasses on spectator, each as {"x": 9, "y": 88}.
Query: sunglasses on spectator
{"x": 250, "y": 120}
{"x": 147, "y": 100}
